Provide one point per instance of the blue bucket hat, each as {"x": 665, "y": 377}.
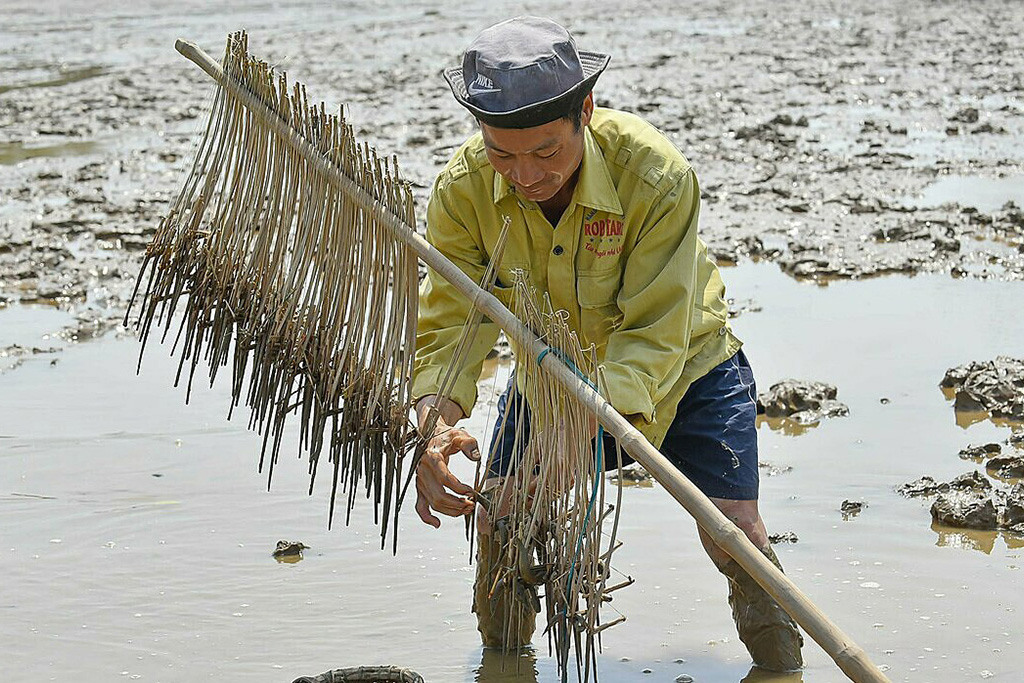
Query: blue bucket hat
{"x": 522, "y": 73}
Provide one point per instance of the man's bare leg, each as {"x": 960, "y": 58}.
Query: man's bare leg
{"x": 770, "y": 635}
{"x": 504, "y": 620}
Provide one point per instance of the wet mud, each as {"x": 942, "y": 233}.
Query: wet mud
{"x": 819, "y": 137}
{"x": 800, "y": 402}
{"x": 825, "y": 152}
{"x": 989, "y": 500}
{"x": 995, "y": 387}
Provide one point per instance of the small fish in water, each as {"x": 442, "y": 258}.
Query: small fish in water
{"x": 289, "y": 548}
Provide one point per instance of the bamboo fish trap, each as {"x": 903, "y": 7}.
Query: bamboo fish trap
{"x": 293, "y": 284}
{"x": 293, "y": 249}
{"x": 549, "y": 514}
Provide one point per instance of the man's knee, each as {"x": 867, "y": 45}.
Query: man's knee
{"x": 744, "y": 514}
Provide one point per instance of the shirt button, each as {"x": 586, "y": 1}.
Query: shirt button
{"x": 721, "y": 331}
{"x": 558, "y": 250}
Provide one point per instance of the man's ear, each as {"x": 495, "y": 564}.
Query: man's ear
{"x": 588, "y": 110}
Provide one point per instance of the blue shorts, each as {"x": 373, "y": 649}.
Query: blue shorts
{"x": 712, "y": 440}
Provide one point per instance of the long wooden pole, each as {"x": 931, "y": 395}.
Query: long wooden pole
{"x": 850, "y": 658}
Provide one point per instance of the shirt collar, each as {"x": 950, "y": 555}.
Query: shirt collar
{"x": 594, "y": 187}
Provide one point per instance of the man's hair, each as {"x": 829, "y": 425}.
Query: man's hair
{"x": 572, "y": 110}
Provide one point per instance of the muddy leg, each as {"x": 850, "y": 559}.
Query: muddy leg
{"x": 504, "y": 619}
{"x": 770, "y": 635}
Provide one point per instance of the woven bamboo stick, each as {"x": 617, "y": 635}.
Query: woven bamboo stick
{"x": 850, "y": 658}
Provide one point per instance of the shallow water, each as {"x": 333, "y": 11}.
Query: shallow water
{"x": 984, "y": 194}
{"x": 16, "y": 152}
{"x": 137, "y": 534}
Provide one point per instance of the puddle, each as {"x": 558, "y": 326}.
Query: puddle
{"x": 16, "y": 152}
{"x": 139, "y": 534}
{"x": 65, "y": 75}
{"x": 984, "y": 194}
{"x": 31, "y": 325}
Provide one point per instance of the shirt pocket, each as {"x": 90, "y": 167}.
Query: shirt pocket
{"x": 599, "y": 313}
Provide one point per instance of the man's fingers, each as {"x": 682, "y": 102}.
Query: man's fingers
{"x": 434, "y": 479}
{"x": 455, "y": 485}
{"x": 439, "y": 499}
{"x": 440, "y": 473}
{"x": 423, "y": 510}
{"x": 461, "y": 441}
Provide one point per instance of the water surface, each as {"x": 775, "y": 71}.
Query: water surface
{"x": 137, "y": 533}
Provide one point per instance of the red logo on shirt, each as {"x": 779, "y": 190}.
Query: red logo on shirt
{"x": 604, "y": 237}
{"x": 606, "y": 227}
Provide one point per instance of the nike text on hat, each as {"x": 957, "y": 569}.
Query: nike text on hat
{"x": 522, "y": 72}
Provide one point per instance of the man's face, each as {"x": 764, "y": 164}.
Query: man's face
{"x": 537, "y": 161}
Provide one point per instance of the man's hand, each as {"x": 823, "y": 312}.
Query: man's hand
{"x": 433, "y": 478}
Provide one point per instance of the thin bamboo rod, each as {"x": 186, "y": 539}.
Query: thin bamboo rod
{"x": 850, "y": 657}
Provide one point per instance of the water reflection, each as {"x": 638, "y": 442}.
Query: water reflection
{"x": 785, "y": 425}
{"x": 974, "y": 539}
{"x": 497, "y": 666}
{"x": 965, "y": 418}
{"x": 759, "y": 675}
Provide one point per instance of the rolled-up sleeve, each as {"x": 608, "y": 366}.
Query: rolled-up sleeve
{"x": 443, "y": 309}
{"x": 646, "y": 354}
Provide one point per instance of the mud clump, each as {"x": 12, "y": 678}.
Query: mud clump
{"x": 801, "y": 401}
{"x": 1013, "y": 512}
{"x": 925, "y": 486}
{"x": 970, "y": 501}
{"x": 289, "y": 549}
{"x": 633, "y": 475}
{"x": 851, "y": 508}
{"x": 965, "y": 115}
{"x": 980, "y": 452}
{"x": 971, "y": 481}
{"x": 966, "y": 509}
{"x": 1006, "y": 466}
{"x": 784, "y": 537}
{"x": 768, "y": 469}
{"x": 995, "y": 387}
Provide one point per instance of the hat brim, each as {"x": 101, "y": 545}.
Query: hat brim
{"x": 539, "y": 113}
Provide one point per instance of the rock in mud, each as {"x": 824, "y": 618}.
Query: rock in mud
{"x": 973, "y": 452}
{"x": 771, "y": 470}
{"x": 965, "y": 509}
{"x": 801, "y": 401}
{"x": 289, "y": 548}
{"x": 851, "y": 508}
{"x": 1006, "y": 466}
{"x": 738, "y": 307}
{"x": 633, "y": 475}
{"x": 995, "y": 386}
{"x": 785, "y": 537}
{"x": 925, "y": 486}
{"x": 965, "y": 115}
{"x": 971, "y": 481}
{"x": 1012, "y": 516}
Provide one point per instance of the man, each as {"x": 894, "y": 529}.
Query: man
{"x": 604, "y": 215}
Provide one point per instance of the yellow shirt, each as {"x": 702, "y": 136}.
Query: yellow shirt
{"x": 624, "y": 262}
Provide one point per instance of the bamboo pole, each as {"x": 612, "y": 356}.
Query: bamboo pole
{"x": 850, "y": 657}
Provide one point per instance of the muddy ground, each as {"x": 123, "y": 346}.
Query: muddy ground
{"x": 833, "y": 142}
{"x": 839, "y": 143}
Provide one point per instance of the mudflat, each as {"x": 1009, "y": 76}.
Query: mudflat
{"x": 833, "y": 144}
